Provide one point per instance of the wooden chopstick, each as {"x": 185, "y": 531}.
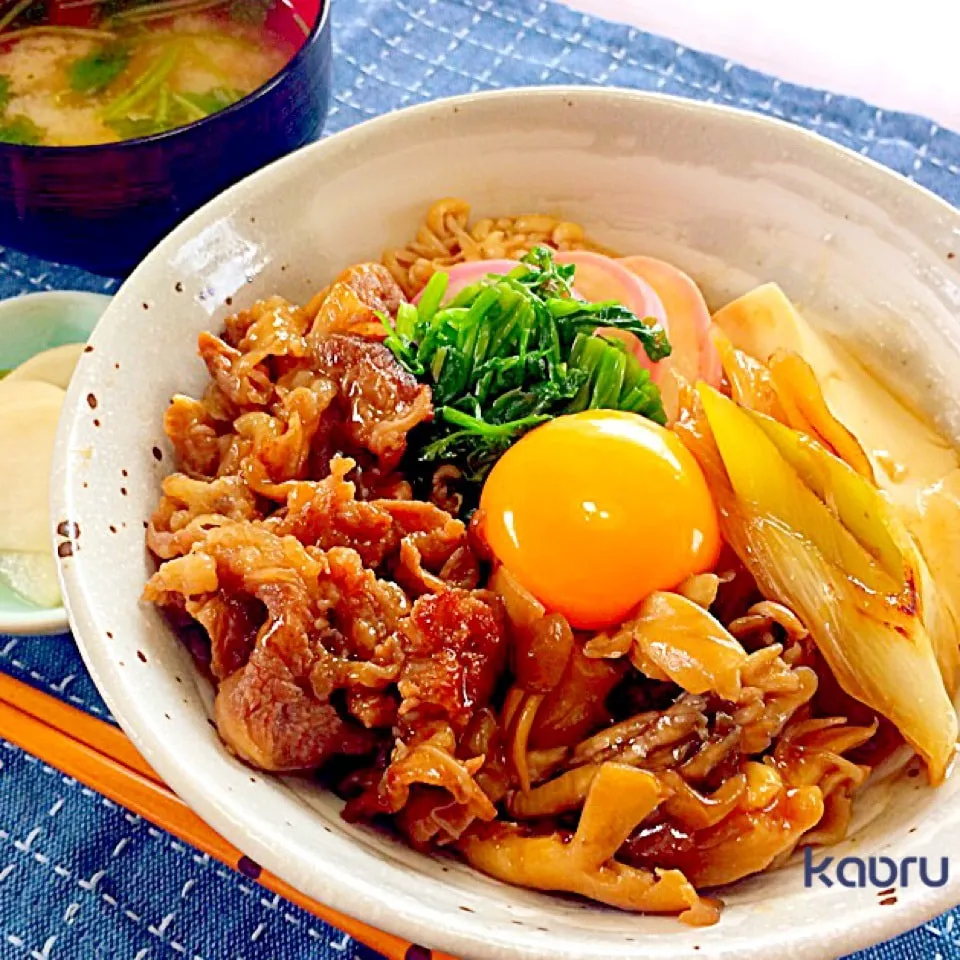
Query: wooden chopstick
{"x": 76, "y": 724}
{"x": 101, "y": 757}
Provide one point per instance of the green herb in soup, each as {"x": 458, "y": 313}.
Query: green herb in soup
{"x": 21, "y": 130}
{"x": 97, "y": 70}
{"x": 133, "y": 69}
{"x": 15, "y": 129}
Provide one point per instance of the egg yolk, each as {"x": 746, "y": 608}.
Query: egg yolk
{"x": 594, "y": 511}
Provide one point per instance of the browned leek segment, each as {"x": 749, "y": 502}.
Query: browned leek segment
{"x": 917, "y": 470}
{"x": 860, "y": 601}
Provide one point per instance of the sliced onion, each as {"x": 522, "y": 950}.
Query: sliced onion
{"x": 686, "y": 644}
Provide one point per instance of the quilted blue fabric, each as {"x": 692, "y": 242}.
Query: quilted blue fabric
{"x": 80, "y": 878}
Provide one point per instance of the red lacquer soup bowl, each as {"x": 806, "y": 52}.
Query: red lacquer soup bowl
{"x": 103, "y": 207}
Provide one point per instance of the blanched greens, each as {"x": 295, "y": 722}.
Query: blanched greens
{"x": 20, "y": 130}
{"x": 150, "y": 106}
{"x": 512, "y": 351}
{"x": 15, "y": 129}
{"x": 97, "y": 70}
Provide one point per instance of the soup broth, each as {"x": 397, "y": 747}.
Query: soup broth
{"x": 141, "y": 70}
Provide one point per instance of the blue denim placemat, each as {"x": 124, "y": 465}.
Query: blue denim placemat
{"x": 80, "y": 878}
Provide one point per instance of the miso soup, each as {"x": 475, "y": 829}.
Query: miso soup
{"x": 98, "y": 71}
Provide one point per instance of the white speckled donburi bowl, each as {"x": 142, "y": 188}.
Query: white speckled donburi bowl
{"x": 729, "y": 196}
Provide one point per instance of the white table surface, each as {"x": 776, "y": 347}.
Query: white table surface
{"x": 899, "y": 56}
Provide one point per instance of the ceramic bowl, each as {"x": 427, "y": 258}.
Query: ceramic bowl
{"x": 29, "y": 324}
{"x": 103, "y": 207}
{"x": 731, "y": 197}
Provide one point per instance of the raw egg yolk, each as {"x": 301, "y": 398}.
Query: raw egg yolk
{"x": 594, "y": 511}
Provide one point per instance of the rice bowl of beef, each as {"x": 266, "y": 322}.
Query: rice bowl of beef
{"x": 396, "y": 560}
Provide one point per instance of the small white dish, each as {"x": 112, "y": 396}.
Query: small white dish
{"x": 729, "y": 196}
{"x": 28, "y": 325}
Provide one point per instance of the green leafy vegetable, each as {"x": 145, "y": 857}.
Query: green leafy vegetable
{"x": 171, "y": 109}
{"x": 6, "y": 94}
{"x": 145, "y": 86}
{"x": 127, "y": 128}
{"x": 219, "y": 98}
{"x": 512, "y": 351}
{"x": 97, "y": 70}
{"x": 20, "y": 130}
